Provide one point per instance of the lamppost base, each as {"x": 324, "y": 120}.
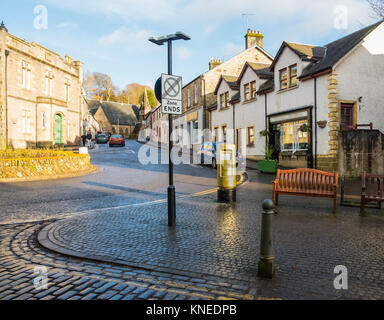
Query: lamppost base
{"x": 226, "y": 195}
{"x": 171, "y": 206}
{"x": 266, "y": 268}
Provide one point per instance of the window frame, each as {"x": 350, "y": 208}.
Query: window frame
{"x": 281, "y": 79}
{"x": 290, "y": 76}
{"x": 195, "y": 99}
{"x": 247, "y": 92}
{"x": 26, "y": 75}
{"x": 224, "y": 132}
{"x": 249, "y": 142}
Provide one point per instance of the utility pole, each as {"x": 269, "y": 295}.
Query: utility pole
{"x": 6, "y": 98}
{"x": 171, "y": 188}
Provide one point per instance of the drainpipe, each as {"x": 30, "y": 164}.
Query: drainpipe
{"x": 266, "y": 122}
{"x": 315, "y": 122}
{"x": 234, "y": 123}
{"x": 36, "y": 127}
{"x": 205, "y": 111}
{"x": 6, "y": 98}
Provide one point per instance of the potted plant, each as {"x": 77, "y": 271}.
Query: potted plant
{"x": 268, "y": 165}
{"x": 304, "y": 128}
{"x": 264, "y": 133}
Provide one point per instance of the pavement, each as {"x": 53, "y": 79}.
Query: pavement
{"x": 120, "y": 246}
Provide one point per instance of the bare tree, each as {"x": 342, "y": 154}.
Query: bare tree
{"x": 377, "y": 7}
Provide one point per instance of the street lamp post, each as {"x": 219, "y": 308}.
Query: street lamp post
{"x": 171, "y": 188}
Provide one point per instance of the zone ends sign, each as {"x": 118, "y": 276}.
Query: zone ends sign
{"x": 171, "y": 106}
{"x": 171, "y": 94}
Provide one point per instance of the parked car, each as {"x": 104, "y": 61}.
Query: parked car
{"x": 101, "y": 138}
{"x": 208, "y": 154}
{"x": 108, "y": 135}
{"x": 117, "y": 140}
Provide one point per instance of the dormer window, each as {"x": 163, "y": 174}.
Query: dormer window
{"x": 288, "y": 77}
{"x": 224, "y": 100}
{"x": 250, "y": 91}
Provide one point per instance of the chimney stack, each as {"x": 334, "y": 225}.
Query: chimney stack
{"x": 252, "y": 38}
{"x": 214, "y": 63}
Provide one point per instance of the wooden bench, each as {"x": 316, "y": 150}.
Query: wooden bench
{"x": 305, "y": 182}
{"x": 372, "y": 189}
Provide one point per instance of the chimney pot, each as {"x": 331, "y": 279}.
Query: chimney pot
{"x": 253, "y": 38}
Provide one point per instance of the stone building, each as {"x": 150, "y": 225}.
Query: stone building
{"x": 114, "y": 117}
{"x": 40, "y": 95}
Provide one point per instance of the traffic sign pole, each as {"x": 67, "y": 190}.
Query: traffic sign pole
{"x": 173, "y": 106}
{"x": 171, "y": 187}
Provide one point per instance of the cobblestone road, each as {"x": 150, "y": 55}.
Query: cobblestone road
{"x": 223, "y": 241}
{"x": 75, "y": 279}
{"x": 116, "y": 247}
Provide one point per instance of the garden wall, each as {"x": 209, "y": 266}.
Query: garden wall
{"x": 35, "y": 163}
{"x": 361, "y": 150}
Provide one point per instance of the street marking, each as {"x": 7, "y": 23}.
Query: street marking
{"x": 79, "y": 213}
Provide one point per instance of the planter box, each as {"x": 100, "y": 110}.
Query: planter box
{"x": 267, "y": 166}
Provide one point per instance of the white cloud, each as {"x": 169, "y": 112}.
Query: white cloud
{"x": 67, "y": 25}
{"x": 129, "y": 39}
{"x": 300, "y": 15}
{"x": 182, "y": 53}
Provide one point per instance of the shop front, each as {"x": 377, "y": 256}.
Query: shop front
{"x": 290, "y": 137}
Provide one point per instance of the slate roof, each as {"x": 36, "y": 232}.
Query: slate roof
{"x": 235, "y": 97}
{"x": 261, "y": 69}
{"x": 93, "y": 106}
{"x": 230, "y": 80}
{"x": 337, "y": 50}
{"x": 305, "y": 51}
{"x": 266, "y": 86}
{"x": 118, "y": 113}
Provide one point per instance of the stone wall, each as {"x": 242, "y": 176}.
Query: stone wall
{"x": 361, "y": 150}
{"x": 64, "y": 162}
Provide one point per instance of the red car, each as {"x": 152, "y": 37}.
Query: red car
{"x": 116, "y": 140}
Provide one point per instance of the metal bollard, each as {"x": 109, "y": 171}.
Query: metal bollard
{"x": 267, "y": 260}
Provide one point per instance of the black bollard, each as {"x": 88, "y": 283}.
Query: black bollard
{"x": 267, "y": 260}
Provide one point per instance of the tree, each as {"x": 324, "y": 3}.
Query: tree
{"x": 151, "y": 98}
{"x": 100, "y": 86}
{"x": 377, "y": 7}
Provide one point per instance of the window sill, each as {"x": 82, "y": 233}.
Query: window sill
{"x": 250, "y": 145}
{"x": 287, "y": 89}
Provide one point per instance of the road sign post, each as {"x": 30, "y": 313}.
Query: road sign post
{"x": 171, "y": 103}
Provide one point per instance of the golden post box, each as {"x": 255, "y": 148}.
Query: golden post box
{"x": 226, "y": 172}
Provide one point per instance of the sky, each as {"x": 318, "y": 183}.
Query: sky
{"x": 111, "y": 36}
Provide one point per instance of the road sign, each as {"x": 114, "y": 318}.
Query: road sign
{"x": 158, "y": 89}
{"x": 171, "y": 90}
